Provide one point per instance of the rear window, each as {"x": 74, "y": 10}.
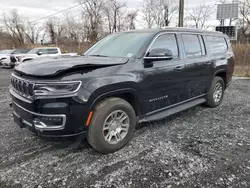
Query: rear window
{"x": 193, "y": 45}
{"x": 217, "y": 45}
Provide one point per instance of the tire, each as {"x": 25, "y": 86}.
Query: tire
{"x": 212, "y": 102}
{"x": 104, "y": 113}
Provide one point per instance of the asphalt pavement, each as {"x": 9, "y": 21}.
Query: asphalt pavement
{"x": 201, "y": 147}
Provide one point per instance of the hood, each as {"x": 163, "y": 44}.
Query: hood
{"x": 54, "y": 66}
{"x": 14, "y": 55}
{"x": 30, "y": 55}
{"x": 4, "y": 55}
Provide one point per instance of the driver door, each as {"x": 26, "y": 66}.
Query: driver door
{"x": 164, "y": 80}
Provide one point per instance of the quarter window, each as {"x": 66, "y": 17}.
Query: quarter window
{"x": 192, "y": 46}
{"x": 166, "y": 41}
{"x": 217, "y": 45}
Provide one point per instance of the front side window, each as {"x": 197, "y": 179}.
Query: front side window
{"x": 119, "y": 45}
{"x": 192, "y": 45}
{"x": 168, "y": 42}
{"x": 217, "y": 45}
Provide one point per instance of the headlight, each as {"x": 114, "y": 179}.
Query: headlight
{"x": 56, "y": 89}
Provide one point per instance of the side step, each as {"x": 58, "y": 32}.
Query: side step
{"x": 170, "y": 111}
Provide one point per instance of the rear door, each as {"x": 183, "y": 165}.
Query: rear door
{"x": 199, "y": 70}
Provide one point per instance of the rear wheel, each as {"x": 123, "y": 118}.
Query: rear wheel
{"x": 112, "y": 125}
{"x": 216, "y": 92}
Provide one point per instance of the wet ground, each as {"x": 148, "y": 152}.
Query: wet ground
{"x": 200, "y": 147}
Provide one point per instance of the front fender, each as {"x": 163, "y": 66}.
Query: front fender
{"x": 96, "y": 98}
{"x": 26, "y": 59}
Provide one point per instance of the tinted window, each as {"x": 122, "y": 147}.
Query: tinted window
{"x": 167, "y": 41}
{"x": 52, "y": 51}
{"x": 192, "y": 46}
{"x": 217, "y": 45}
{"x": 44, "y": 51}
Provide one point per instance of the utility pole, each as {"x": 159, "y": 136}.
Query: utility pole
{"x": 181, "y": 13}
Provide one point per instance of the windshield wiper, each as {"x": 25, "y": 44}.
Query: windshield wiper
{"x": 99, "y": 55}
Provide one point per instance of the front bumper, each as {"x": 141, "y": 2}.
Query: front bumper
{"x": 50, "y": 117}
{"x": 53, "y": 122}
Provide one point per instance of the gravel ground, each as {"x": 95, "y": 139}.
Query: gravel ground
{"x": 200, "y": 147}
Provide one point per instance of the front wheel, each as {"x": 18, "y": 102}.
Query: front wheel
{"x": 216, "y": 92}
{"x": 112, "y": 125}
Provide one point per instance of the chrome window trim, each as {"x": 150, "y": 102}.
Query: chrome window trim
{"x": 165, "y": 57}
{"x": 152, "y": 42}
{"x": 45, "y": 127}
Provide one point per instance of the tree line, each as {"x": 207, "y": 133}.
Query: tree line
{"x": 99, "y": 18}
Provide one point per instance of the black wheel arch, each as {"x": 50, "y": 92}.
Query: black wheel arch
{"x": 128, "y": 94}
{"x": 223, "y": 74}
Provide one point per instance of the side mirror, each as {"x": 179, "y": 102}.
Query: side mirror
{"x": 160, "y": 54}
{"x": 40, "y": 53}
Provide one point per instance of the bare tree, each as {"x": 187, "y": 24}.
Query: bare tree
{"x": 55, "y": 29}
{"x": 130, "y": 19}
{"x": 112, "y": 10}
{"x": 200, "y": 15}
{"x": 245, "y": 13}
{"x": 159, "y": 13}
{"x": 32, "y": 32}
{"x": 92, "y": 13}
{"x": 148, "y": 12}
{"x": 15, "y": 27}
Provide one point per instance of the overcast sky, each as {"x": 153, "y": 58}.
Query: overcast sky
{"x": 35, "y": 9}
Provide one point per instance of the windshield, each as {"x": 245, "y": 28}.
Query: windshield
{"x": 21, "y": 51}
{"x": 6, "y": 51}
{"x": 119, "y": 45}
{"x": 33, "y": 51}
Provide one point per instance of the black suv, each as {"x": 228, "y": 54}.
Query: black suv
{"x": 124, "y": 79}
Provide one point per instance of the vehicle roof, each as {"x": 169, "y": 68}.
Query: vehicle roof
{"x": 45, "y": 47}
{"x": 175, "y": 29}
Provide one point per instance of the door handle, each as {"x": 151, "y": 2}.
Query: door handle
{"x": 179, "y": 68}
{"x": 208, "y": 63}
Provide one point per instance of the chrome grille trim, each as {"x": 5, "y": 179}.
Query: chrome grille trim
{"x": 22, "y": 87}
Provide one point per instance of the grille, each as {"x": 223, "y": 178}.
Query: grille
{"x": 22, "y": 87}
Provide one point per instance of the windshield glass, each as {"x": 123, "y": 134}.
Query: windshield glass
{"x": 6, "y": 51}
{"x": 33, "y": 51}
{"x": 20, "y": 51}
{"x": 119, "y": 45}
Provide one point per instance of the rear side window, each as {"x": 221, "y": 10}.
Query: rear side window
{"x": 44, "y": 51}
{"x": 52, "y": 51}
{"x": 167, "y": 41}
{"x": 193, "y": 46}
{"x": 217, "y": 45}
